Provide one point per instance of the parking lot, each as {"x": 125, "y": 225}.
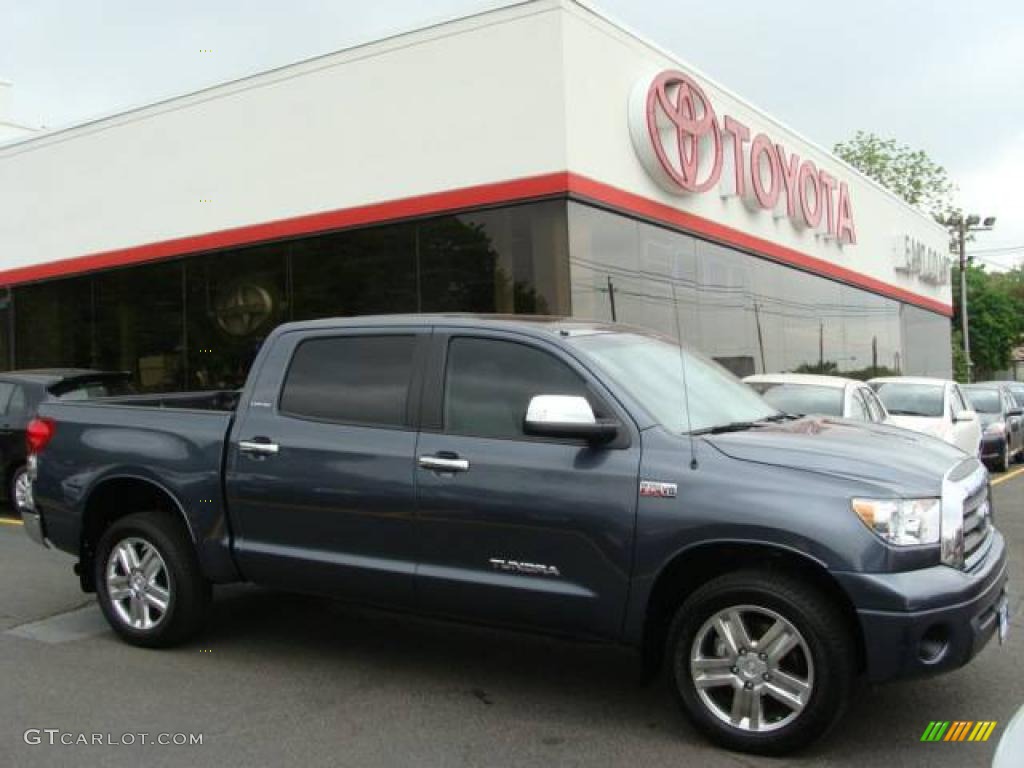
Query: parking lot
{"x": 280, "y": 678}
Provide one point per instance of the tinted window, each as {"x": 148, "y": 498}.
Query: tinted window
{"x": 5, "y": 395}
{"x": 904, "y": 399}
{"x": 489, "y": 385}
{"x": 802, "y": 398}
{"x": 19, "y": 403}
{"x": 985, "y": 400}
{"x": 351, "y": 379}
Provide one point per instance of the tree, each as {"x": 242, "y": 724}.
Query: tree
{"x": 997, "y": 319}
{"x": 906, "y": 172}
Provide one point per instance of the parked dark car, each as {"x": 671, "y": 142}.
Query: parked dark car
{"x": 21, "y": 393}
{"x": 1002, "y": 424}
{"x": 1016, "y": 389}
{"x": 582, "y": 479}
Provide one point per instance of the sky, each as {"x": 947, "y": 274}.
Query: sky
{"x": 943, "y": 76}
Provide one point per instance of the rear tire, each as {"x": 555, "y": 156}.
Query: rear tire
{"x": 149, "y": 582}
{"x": 18, "y": 489}
{"x": 775, "y": 681}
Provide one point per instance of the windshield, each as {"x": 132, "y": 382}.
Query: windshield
{"x": 984, "y": 400}
{"x": 906, "y": 399}
{"x": 801, "y": 398}
{"x": 649, "y": 368}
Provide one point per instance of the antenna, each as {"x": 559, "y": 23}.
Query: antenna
{"x": 682, "y": 365}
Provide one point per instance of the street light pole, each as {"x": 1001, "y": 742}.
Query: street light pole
{"x": 962, "y": 232}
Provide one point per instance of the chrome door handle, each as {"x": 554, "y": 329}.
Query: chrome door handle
{"x": 439, "y": 464}
{"x": 260, "y": 449}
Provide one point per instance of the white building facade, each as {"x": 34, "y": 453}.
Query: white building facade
{"x": 536, "y": 158}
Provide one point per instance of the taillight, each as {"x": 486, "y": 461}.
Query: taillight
{"x": 38, "y": 433}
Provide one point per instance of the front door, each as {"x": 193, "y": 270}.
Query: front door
{"x": 516, "y": 529}
{"x": 320, "y": 469}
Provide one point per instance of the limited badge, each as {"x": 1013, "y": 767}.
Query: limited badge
{"x": 657, "y": 490}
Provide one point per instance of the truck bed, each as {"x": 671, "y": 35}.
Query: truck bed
{"x": 176, "y": 441}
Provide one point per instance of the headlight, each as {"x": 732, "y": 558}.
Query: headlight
{"x": 902, "y": 522}
{"x": 996, "y": 428}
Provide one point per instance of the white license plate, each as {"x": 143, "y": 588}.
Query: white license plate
{"x": 1003, "y": 614}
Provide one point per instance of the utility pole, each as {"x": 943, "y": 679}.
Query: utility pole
{"x": 962, "y": 232}
{"x": 962, "y": 226}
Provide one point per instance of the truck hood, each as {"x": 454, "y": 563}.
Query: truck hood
{"x": 905, "y": 462}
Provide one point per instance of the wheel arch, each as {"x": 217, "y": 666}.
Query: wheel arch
{"x": 695, "y": 566}
{"x": 114, "y": 497}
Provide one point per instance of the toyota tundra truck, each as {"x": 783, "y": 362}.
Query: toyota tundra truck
{"x": 587, "y": 480}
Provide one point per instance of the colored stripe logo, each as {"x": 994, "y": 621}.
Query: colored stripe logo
{"x": 959, "y": 730}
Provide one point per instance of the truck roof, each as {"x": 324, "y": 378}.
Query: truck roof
{"x": 552, "y": 324}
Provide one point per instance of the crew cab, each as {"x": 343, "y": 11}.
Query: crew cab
{"x": 589, "y": 480}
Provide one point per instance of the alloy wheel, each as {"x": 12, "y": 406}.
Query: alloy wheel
{"x": 752, "y": 668}
{"x": 138, "y": 584}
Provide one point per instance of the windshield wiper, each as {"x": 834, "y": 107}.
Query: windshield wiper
{"x": 732, "y": 426}
{"x": 783, "y": 417}
{"x": 897, "y": 412}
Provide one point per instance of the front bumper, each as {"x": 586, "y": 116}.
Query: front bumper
{"x": 928, "y": 621}
{"x": 992, "y": 447}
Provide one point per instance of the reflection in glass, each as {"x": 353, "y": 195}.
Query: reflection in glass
{"x": 750, "y": 314}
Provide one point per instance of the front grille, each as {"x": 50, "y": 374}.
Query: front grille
{"x": 977, "y": 526}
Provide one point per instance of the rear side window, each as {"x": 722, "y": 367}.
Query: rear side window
{"x": 489, "y": 385}
{"x": 351, "y": 380}
{"x": 5, "y": 395}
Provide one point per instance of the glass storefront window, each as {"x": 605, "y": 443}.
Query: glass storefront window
{"x": 750, "y": 314}
{"x": 234, "y": 299}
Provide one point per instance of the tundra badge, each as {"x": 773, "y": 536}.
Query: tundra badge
{"x": 535, "y": 569}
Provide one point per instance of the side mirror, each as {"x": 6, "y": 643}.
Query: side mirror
{"x": 963, "y": 416}
{"x": 567, "y": 416}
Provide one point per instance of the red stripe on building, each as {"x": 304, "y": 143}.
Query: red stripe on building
{"x": 516, "y": 190}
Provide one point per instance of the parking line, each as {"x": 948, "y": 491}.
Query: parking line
{"x": 5, "y": 521}
{"x": 1008, "y": 476}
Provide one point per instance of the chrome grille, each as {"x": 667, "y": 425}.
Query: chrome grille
{"x": 977, "y": 526}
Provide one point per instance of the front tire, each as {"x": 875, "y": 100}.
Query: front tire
{"x": 148, "y": 581}
{"x": 1003, "y": 462}
{"x": 761, "y": 662}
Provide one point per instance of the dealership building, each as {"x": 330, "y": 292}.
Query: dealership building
{"x": 535, "y": 158}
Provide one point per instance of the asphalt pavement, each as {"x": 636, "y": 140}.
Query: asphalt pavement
{"x": 280, "y": 679}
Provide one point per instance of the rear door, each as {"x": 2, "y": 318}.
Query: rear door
{"x": 320, "y": 466}
{"x": 525, "y": 530}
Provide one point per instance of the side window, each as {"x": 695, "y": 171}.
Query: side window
{"x": 489, "y": 383}
{"x": 859, "y": 410}
{"x": 350, "y": 380}
{"x": 6, "y": 388}
{"x": 18, "y": 403}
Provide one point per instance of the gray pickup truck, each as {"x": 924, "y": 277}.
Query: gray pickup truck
{"x": 589, "y": 480}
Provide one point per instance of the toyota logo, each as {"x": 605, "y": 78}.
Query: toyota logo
{"x": 243, "y": 308}
{"x": 675, "y": 132}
